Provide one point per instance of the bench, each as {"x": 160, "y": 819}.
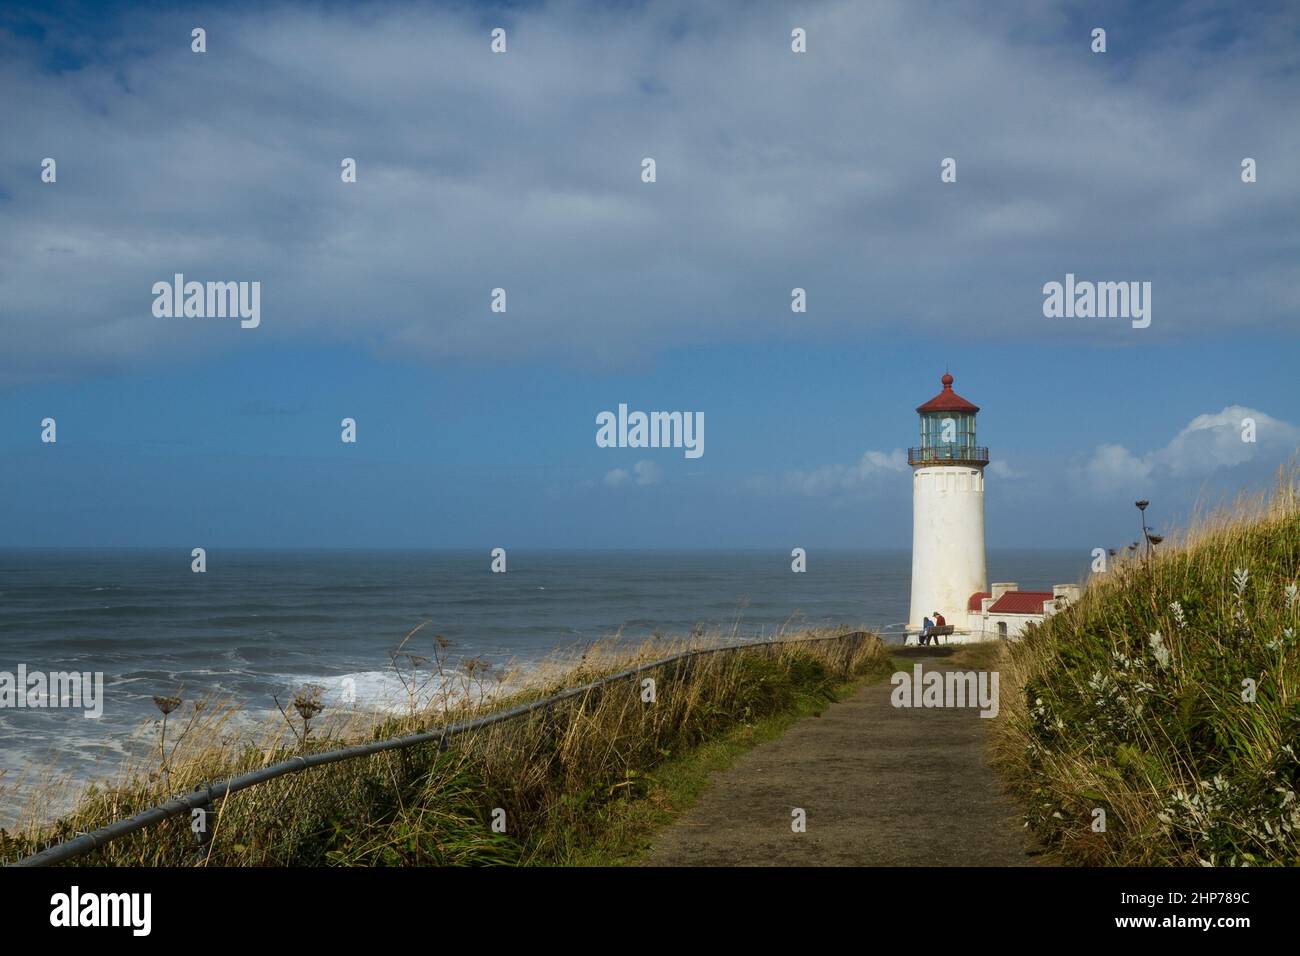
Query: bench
{"x": 938, "y": 632}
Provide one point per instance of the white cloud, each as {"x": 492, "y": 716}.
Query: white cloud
{"x": 835, "y": 479}
{"x": 1214, "y": 441}
{"x": 647, "y": 472}
{"x": 1001, "y": 469}
{"x": 644, "y": 472}
{"x": 1114, "y": 466}
{"x": 1208, "y": 443}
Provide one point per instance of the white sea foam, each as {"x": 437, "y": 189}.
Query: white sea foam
{"x": 385, "y": 692}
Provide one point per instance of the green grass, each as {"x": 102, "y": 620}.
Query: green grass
{"x": 1168, "y": 699}
{"x": 627, "y": 830}
{"x": 584, "y": 782}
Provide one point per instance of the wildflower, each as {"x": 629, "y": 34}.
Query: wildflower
{"x": 1239, "y": 578}
{"x": 1177, "y": 608}
{"x": 1292, "y": 594}
{"x": 1158, "y": 648}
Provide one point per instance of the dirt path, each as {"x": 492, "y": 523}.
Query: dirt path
{"x": 881, "y": 787}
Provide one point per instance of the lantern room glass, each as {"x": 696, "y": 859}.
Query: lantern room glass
{"x": 960, "y": 435}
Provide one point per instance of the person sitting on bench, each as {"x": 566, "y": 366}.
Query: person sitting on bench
{"x": 938, "y": 623}
{"x": 924, "y": 637}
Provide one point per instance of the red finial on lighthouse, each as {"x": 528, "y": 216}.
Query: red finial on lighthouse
{"x": 947, "y": 380}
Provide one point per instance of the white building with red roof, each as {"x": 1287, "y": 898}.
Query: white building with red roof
{"x": 1006, "y": 610}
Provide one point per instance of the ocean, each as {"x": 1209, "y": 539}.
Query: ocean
{"x": 264, "y": 623}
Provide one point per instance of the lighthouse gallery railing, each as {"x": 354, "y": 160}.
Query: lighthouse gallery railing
{"x": 948, "y": 454}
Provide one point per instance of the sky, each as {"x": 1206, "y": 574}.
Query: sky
{"x": 523, "y": 171}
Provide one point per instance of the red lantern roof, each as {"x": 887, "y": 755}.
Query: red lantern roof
{"x": 947, "y": 400}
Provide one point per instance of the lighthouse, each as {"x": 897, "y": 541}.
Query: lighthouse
{"x": 947, "y": 510}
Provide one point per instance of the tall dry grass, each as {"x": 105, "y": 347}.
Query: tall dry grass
{"x": 1166, "y": 699}
{"x": 551, "y": 776}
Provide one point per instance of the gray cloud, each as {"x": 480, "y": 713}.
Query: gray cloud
{"x": 522, "y": 171}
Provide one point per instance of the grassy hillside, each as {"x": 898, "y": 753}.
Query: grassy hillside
{"x": 559, "y": 780}
{"x": 1168, "y": 698}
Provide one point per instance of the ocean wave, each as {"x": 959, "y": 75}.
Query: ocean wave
{"x": 386, "y": 692}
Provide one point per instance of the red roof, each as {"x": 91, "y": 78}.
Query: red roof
{"x": 1020, "y": 602}
{"x": 947, "y": 400}
{"x": 974, "y": 603}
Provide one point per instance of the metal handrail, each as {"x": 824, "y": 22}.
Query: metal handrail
{"x": 203, "y": 799}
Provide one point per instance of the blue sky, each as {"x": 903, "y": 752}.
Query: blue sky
{"x": 522, "y": 171}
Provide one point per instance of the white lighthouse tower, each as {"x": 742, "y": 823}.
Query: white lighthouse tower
{"x": 947, "y": 511}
